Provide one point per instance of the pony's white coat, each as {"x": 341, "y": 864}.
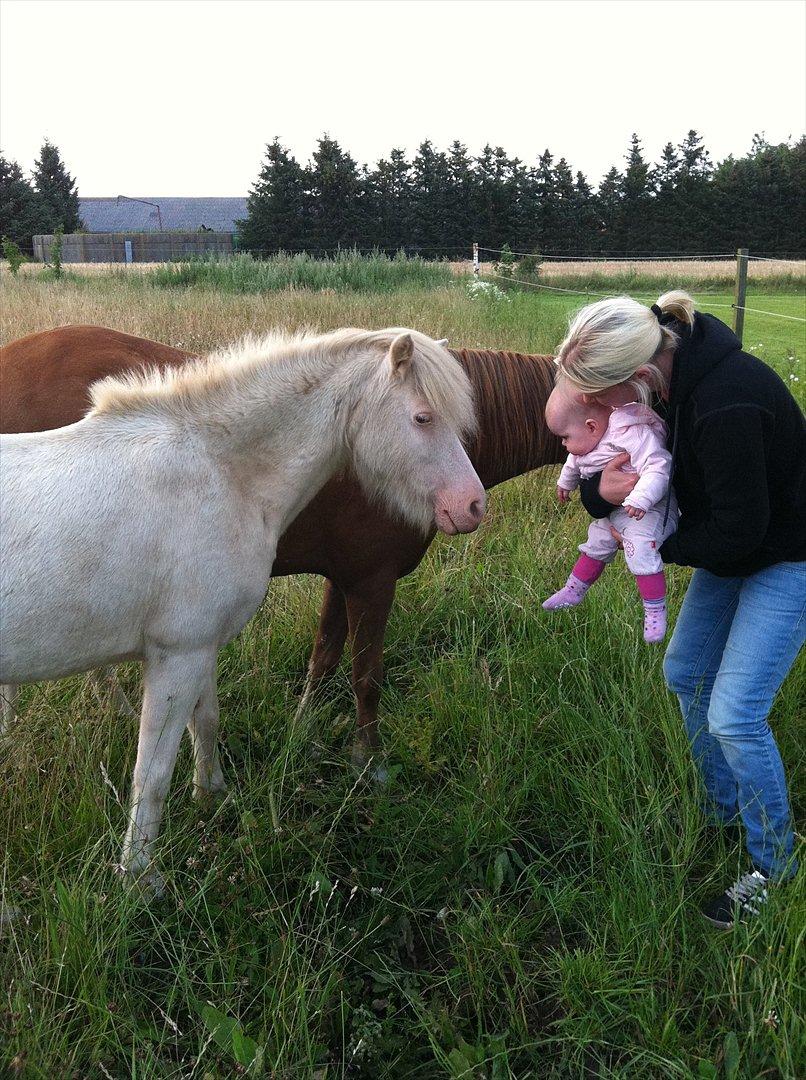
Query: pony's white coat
{"x": 148, "y": 529}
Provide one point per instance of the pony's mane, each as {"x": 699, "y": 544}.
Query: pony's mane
{"x": 301, "y": 360}
{"x": 511, "y": 390}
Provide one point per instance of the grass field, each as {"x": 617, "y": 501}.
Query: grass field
{"x": 519, "y": 901}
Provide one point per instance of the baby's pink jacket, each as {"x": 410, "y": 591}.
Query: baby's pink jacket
{"x": 640, "y": 432}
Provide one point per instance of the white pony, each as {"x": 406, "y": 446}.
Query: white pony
{"x": 147, "y": 530}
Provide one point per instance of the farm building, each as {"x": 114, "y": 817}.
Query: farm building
{"x": 155, "y": 229}
{"x": 157, "y": 214}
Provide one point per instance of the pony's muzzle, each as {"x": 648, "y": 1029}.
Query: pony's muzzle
{"x": 460, "y": 512}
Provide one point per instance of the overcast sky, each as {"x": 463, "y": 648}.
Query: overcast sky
{"x": 179, "y": 97}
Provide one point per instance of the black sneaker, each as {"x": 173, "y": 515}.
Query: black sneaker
{"x": 742, "y": 901}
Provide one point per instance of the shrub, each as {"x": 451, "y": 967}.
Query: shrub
{"x": 56, "y": 252}
{"x": 12, "y": 253}
{"x": 506, "y": 264}
{"x": 348, "y": 271}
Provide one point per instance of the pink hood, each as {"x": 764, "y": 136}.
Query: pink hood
{"x": 636, "y": 415}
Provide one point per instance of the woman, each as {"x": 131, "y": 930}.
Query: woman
{"x": 738, "y": 442}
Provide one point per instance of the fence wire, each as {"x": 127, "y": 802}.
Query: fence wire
{"x": 611, "y": 258}
{"x": 591, "y": 292}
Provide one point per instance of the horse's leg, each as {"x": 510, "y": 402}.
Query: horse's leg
{"x": 173, "y": 685}
{"x": 368, "y": 606}
{"x": 329, "y": 645}
{"x": 8, "y": 698}
{"x": 105, "y": 678}
{"x": 208, "y": 779}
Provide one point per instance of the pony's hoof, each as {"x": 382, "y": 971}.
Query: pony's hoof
{"x": 149, "y": 884}
{"x": 369, "y": 761}
{"x": 210, "y": 799}
{"x": 8, "y": 915}
{"x": 380, "y": 775}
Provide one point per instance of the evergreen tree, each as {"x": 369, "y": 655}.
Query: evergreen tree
{"x": 441, "y": 201}
{"x": 588, "y": 223}
{"x": 695, "y": 161}
{"x": 338, "y": 204}
{"x": 608, "y": 204}
{"x": 389, "y": 202}
{"x": 665, "y": 178}
{"x": 634, "y": 209}
{"x": 460, "y": 218}
{"x": 549, "y": 235}
{"x": 431, "y": 200}
{"x": 277, "y": 207}
{"x": 565, "y": 213}
{"x": 693, "y": 203}
{"x": 759, "y": 199}
{"x": 58, "y": 196}
{"x": 666, "y": 172}
{"x": 19, "y": 206}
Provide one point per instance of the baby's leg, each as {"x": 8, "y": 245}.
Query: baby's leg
{"x": 641, "y": 542}
{"x": 598, "y": 550}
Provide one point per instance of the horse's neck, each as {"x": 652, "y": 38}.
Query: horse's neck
{"x": 282, "y": 464}
{"x": 513, "y": 437}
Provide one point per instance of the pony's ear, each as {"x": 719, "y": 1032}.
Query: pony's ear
{"x": 400, "y": 353}
{"x": 443, "y": 341}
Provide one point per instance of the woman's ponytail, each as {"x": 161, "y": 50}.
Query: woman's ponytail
{"x": 679, "y": 305}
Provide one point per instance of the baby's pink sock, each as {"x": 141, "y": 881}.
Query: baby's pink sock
{"x": 588, "y": 569}
{"x": 652, "y": 586}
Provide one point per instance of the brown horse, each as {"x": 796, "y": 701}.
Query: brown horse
{"x": 353, "y": 544}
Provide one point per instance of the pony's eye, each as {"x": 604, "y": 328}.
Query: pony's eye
{"x": 422, "y": 418}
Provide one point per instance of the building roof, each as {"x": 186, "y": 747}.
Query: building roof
{"x": 126, "y": 214}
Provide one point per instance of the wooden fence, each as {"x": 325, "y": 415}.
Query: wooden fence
{"x": 133, "y": 247}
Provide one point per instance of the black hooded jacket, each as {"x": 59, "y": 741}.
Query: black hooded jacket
{"x": 738, "y": 442}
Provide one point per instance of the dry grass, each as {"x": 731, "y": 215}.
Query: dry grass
{"x": 198, "y": 320}
{"x": 684, "y": 269}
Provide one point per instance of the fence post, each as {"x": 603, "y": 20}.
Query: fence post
{"x": 476, "y": 259}
{"x": 741, "y": 292}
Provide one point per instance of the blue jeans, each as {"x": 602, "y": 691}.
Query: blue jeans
{"x": 734, "y": 642}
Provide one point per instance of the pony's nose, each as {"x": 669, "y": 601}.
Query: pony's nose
{"x": 476, "y": 509}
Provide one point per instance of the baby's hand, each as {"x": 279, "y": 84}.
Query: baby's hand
{"x": 563, "y": 494}
{"x": 635, "y": 512}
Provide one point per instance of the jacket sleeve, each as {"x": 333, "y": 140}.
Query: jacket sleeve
{"x": 593, "y": 502}
{"x": 569, "y": 474}
{"x": 730, "y": 446}
{"x": 653, "y": 463}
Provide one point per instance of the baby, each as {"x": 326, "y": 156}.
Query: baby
{"x": 592, "y": 435}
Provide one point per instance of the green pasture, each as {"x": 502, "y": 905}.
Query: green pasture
{"x": 519, "y": 901}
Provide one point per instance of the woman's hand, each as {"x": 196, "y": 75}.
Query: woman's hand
{"x": 617, "y": 537}
{"x": 635, "y": 512}
{"x": 614, "y": 485}
{"x": 563, "y": 495}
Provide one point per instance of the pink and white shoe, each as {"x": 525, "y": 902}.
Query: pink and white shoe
{"x": 571, "y": 594}
{"x": 654, "y": 622}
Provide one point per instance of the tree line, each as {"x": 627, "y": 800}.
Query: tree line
{"x": 438, "y": 202}
{"x": 43, "y": 203}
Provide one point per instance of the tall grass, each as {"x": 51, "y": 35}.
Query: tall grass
{"x": 347, "y": 271}
{"x": 520, "y": 901}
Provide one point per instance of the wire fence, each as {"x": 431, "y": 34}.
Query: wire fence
{"x": 570, "y": 257}
{"x": 738, "y": 256}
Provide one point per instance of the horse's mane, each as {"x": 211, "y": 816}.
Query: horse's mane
{"x": 245, "y": 370}
{"x": 510, "y": 390}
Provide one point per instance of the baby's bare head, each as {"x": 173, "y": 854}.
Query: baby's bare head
{"x": 580, "y": 427}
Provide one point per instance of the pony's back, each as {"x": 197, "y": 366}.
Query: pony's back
{"x": 31, "y": 367}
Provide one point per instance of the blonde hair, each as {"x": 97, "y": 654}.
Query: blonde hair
{"x": 609, "y": 341}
